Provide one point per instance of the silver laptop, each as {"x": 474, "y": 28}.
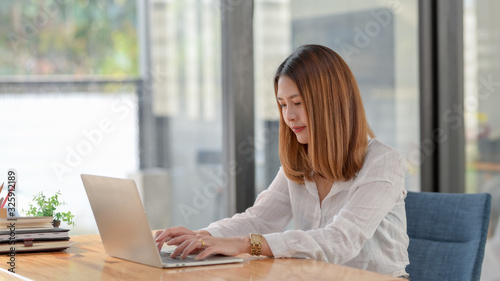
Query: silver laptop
{"x": 124, "y": 228}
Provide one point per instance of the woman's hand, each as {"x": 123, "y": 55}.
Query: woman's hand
{"x": 230, "y": 246}
{"x": 168, "y": 234}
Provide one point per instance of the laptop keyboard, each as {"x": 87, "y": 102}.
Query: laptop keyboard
{"x": 165, "y": 257}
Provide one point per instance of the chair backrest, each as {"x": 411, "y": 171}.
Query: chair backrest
{"x": 447, "y": 235}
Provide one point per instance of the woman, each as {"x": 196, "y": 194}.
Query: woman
{"x": 343, "y": 188}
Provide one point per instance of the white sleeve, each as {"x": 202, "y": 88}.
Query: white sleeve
{"x": 271, "y": 212}
{"x": 342, "y": 239}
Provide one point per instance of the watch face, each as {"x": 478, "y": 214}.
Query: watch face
{"x": 256, "y": 238}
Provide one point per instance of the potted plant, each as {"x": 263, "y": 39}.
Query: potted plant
{"x": 46, "y": 207}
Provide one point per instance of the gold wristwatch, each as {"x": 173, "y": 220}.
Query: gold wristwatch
{"x": 255, "y": 244}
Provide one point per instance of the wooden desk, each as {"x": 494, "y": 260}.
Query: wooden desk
{"x": 86, "y": 260}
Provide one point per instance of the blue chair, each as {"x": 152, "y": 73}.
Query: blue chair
{"x": 447, "y": 235}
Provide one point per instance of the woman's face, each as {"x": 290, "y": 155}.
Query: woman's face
{"x": 293, "y": 109}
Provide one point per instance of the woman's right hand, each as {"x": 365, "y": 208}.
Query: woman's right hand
{"x": 168, "y": 234}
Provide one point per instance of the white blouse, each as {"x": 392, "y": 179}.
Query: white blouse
{"x": 361, "y": 223}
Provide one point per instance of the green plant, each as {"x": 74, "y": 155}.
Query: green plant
{"x": 46, "y": 207}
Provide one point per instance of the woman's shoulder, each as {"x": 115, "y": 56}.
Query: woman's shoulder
{"x": 381, "y": 158}
{"x": 378, "y": 150}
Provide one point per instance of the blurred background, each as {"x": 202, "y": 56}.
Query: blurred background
{"x": 135, "y": 89}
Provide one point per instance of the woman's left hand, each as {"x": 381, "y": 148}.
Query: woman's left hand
{"x": 230, "y": 246}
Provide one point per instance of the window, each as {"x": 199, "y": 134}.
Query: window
{"x": 68, "y": 97}
{"x": 377, "y": 39}
{"x": 185, "y": 42}
{"x": 482, "y": 117}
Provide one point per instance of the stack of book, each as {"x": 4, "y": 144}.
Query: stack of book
{"x": 31, "y": 234}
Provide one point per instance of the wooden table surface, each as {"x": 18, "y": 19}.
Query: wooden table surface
{"x": 86, "y": 260}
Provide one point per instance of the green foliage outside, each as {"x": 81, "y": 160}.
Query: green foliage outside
{"x": 68, "y": 37}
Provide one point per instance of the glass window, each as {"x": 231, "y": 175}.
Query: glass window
{"x": 185, "y": 42}
{"x": 482, "y": 117}
{"x": 61, "y": 112}
{"x": 377, "y": 39}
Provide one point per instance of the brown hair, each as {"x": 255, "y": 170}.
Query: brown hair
{"x": 338, "y": 130}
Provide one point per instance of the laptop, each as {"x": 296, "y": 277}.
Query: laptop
{"x": 124, "y": 228}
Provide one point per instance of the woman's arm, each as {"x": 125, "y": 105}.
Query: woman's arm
{"x": 231, "y": 246}
{"x": 338, "y": 242}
